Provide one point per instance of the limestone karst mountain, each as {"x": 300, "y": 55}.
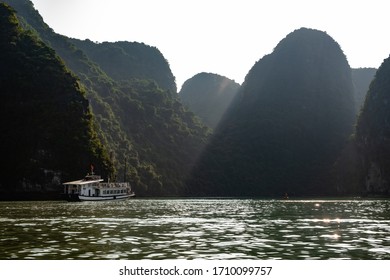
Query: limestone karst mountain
{"x": 290, "y": 121}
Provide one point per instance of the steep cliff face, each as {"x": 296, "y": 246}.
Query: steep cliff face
{"x": 373, "y": 133}
{"x": 209, "y": 96}
{"x": 290, "y": 121}
{"x": 47, "y": 131}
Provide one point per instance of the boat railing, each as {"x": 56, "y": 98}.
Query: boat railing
{"x": 114, "y": 185}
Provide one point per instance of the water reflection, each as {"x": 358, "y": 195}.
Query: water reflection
{"x": 196, "y": 229}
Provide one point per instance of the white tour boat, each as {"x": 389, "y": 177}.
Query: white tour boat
{"x": 92, "y": 188}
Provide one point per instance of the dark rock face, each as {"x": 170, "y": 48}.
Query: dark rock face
{"x": 373, "y": 133}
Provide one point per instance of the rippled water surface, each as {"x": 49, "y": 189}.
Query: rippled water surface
{"x": 196, "y": 229}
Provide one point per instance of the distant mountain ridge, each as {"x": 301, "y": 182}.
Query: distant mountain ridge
{"x": 125, "y": 60}
{"x": 209, "y": 95}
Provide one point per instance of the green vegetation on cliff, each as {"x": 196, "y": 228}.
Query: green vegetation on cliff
{"x": 137, "y": 111}
{"x": 125, "y": 60}
{"x": 47, "y": 131}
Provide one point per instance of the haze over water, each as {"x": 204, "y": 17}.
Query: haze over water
{"x": 196, "y": 229}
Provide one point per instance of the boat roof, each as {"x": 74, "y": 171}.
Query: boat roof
{"x": 83, "y": 182}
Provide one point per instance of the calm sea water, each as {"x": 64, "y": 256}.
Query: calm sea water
{"x": 196, "y": 229}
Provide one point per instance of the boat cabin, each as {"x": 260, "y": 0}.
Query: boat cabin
{"x": 92, "y": 188}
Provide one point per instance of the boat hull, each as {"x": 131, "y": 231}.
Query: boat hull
{"x": 104, "y": 198}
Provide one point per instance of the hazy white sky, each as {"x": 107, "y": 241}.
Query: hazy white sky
{"x": 223, "y": 36}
